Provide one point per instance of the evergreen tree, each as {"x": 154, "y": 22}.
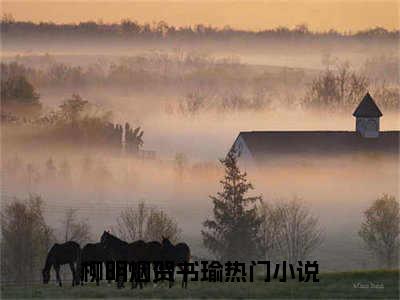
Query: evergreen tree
{"x": 234, "y": 234}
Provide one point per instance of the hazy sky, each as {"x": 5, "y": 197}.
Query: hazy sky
{"x": 317, "y": 14}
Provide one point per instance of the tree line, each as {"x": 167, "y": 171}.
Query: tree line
{"x": 207, "y": 83}
{"x": 162, "y": 30}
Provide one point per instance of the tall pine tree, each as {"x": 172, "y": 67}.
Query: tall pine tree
{"x": 234, "y": 234}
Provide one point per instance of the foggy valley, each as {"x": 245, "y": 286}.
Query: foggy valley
{"x": 192, "y": 99}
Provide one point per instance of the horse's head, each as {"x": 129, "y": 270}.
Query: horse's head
{"x": 104, "y": 237}
{"x": 166, "y": 242}
{"x": 46, "y": 276}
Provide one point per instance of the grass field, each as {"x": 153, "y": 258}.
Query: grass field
{"x": 379, "y": 284}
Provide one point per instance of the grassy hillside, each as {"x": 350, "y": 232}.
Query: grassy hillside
{"x": 331, "y": 285}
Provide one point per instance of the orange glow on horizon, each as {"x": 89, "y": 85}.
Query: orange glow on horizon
{"x": 317, "y": 14}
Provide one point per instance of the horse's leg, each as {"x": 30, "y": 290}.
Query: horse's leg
{"x": 184, "y": 278}
{"x": 98, "y": 272}
{"x": 57, "y": 268}
{"x": 82, "y": 268}
{"x": 133, "y": 282}
{"x": 122, "y": 282}
{"x": 81, "y": 276}
{"x": 78, "y": 271}
{"x": 171, "y": 281}
{"x": 72, "y": 267}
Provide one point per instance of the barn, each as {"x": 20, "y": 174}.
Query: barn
{"x": 257, "y": 147}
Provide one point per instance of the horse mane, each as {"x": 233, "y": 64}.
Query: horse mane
{"x": 154, "y": 243}
{"x": 139, "y": 243}
{"x": 114, "y": 238}
{"x": 49, "y": 263}
{"x": 167, "y": 242}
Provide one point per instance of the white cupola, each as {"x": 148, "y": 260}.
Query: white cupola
{"x": 367, "y": 116}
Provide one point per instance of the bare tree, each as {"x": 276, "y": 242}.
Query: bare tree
{"x": 380, "y": 230}
{"x": 146, "y": 223}
{"x": 269, "y": 229}
{"x": 337, "y": 88}
{"x": 74, "y": 229}
{"x": 291, "y": 231}
{"x": 159, "y": 224}
{"x": 131, "y": 222}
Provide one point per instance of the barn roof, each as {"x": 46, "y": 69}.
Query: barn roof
{"x": 261, "y": 144}
{"x": 367, "y": 108}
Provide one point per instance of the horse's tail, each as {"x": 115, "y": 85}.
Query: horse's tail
{"x": 189, "y": 255}
{"x": 78, "y": 278}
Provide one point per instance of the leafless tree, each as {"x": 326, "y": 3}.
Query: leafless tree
{"x": 74, "y": 229}
{"x": 339, "y": 87}
{"x": 159, "y": 224}
{"x": 291, "y": 231}
{"x": 146, "y": 223}
{"x": 131, "y": 222}
{"x": 269, "y": 229}
{"x": 380, "y": 230}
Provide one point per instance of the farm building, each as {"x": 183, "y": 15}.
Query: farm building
{"x": 257, "y": 147}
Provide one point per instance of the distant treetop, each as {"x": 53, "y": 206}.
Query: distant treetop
{"x": 161, "y": 29}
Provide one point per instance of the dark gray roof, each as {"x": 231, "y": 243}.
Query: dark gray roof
{"x": 263, "y": 143}
{"x": 367, "y": 108}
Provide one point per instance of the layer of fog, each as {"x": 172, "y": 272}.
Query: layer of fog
{"x": 338, "y": 190}
{"x": 295, "y": 53}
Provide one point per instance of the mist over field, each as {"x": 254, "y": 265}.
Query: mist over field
{"x": 192, "y": 98}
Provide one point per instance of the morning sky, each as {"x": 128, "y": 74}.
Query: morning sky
{"x": 254, "y": 15}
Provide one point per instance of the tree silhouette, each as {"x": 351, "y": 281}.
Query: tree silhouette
{"x": 72, "y": 108}
{"x": 25, "y": 239}
{"x": 133, "y": 138}
{"x": 18, "y": 95}
{"x": 380, "y": 230}
{"x": 234, "y": 233}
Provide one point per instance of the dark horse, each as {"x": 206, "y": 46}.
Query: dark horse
{"x": 61, "y": 254}
{"x": 117, "y": 249}
{"x": 153, "y": 251}
{"x": 120, "y": 250}
{"x": 94, "y": 253}
{"x": 179, "y": 253}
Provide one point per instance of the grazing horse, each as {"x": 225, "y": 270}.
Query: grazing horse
{"x": 94, "y": 253}
{"x": 179, "y": 253}
{"x": 153, "y": 254}
{"x": 120, "y": 250}
{"x": 117, "y": 249}
{"x": 138, "y": 252}
{"x": 61, "y": 254}
{"x": 154, "y": 251}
